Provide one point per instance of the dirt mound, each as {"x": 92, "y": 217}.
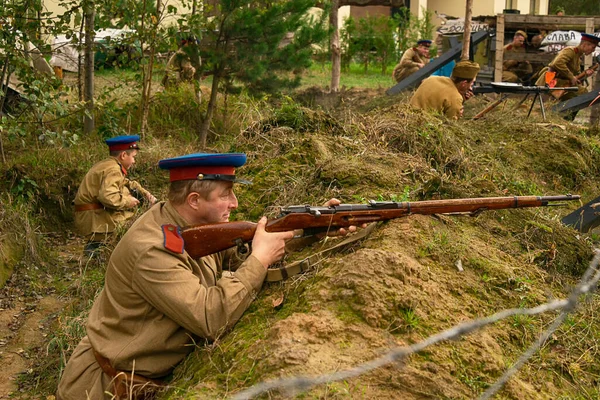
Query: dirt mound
{"x": 413, "y": 277}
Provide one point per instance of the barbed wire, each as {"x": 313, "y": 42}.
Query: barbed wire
{"x": 586, "y": 285}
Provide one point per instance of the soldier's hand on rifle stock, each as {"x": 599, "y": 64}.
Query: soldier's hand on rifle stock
{"x": 268, "y": 247}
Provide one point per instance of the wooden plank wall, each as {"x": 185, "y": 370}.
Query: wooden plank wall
{"x": 528, "y": 23}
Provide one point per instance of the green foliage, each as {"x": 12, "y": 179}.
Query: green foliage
{"x": 244, "y": 42}
{"x": 382, "y": 39}
{"x": 575, "y": 7}
{"x": 369, "y": 40}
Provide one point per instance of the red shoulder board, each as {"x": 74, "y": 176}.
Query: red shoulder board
{"x": 173, "y": 240}
{"x": 509, "y": 47}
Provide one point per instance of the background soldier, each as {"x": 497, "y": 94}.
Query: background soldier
{"x": 564, "y": 68}
{"x": 412, "y": 60}
{"x": 105, "y": 197}
{"x": 513, "y": 70}
{"x": 184, "y": 65}
{"x": 446, "y": 95}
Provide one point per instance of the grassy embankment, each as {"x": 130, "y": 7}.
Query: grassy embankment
{"x": 398, "y": 287}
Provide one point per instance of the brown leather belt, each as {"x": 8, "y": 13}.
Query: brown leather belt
{"x": 128, "y": 385}
{"x": 87, "y": 207}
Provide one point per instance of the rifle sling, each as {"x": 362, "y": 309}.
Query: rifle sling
{"x": 297, "y": 267}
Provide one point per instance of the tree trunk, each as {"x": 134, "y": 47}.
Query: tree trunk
{"x": 210, "y": 109}
{"x": 336, "y": 55}
{"x": 4, "y": 79}
{"x": 147, "y": 75}
{"x": 467, "y": 34}
{"x": 80, "y": 61}
{"x": 88, "y": 92}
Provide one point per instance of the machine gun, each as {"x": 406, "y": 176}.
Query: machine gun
{"x": 507, "y": 88}
{"x": 202, "y": 240}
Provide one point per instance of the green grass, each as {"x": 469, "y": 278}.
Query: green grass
{"x": 319, "y": 74}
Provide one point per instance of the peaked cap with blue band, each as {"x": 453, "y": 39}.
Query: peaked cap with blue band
{"x": 126, "y": 142}
{"x": 424, "y": 42}
{"x": 204, "y": 166}
{"x": 586, "y": 37}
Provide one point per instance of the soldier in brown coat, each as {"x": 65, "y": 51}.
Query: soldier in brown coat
{"x": 157, "y": 300}
{"x": 513, "y": 70}
{"x": 446, "y": 95}
{"x": 105, "y": 197}
{"x": 565, "y": 67}
{"x": 412, "y": 60}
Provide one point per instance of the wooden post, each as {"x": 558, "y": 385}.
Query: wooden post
{"x": 88, "y": 90}
{"x": 499, "y": 48}
{"x": 593, "y": 83}
{"x": 467, "y": 34}
{"x": 587, "y": 62}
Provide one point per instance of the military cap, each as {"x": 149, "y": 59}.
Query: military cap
{"x": 204, "y": 166}
{"x": 424, "y": 42}
{"x": 126, "y": 142}
{"x": 465, "y": 70}
{"x": 522, "y": 33}
{"x": 586, "y": 37}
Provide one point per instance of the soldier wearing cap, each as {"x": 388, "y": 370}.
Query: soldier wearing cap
{"x": 513, "y": 70}
{"x": 105, "y": 197}
{"x": 157, "y": 300}
{"x": 564, "y": 68}
{"x": 412, "y": 60}
{"x": 446, "y": 95}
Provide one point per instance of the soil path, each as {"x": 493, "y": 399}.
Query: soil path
{"x": 27, "y": 309}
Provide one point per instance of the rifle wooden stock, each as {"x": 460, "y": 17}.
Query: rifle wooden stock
{"x": 202, "y": 240}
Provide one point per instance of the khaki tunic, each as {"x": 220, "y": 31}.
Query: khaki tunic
{"x": 106, "y": 184}
{"x": 155, "y": 304}
{"x": 512, "y": 70}
{"x": 438, "y": 93}
{"x": 567, "y": 65}
{"x": 408, "y": 64}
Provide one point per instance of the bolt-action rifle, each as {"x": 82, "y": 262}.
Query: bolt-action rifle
{"x": 202, "y": 240}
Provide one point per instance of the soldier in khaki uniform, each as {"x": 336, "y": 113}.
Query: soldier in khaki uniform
{"x": 513, "y": 70}
{"x": 105, "y": 196}
{"x": 446, "y": 95}
{"x": 563, "y": 70}
{"x": 157, "y": 301}
{"x": 412, "y": 60}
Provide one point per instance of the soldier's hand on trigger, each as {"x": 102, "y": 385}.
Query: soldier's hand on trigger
{"x": 133, "y": 202}
{"x": 269, "y": 247}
